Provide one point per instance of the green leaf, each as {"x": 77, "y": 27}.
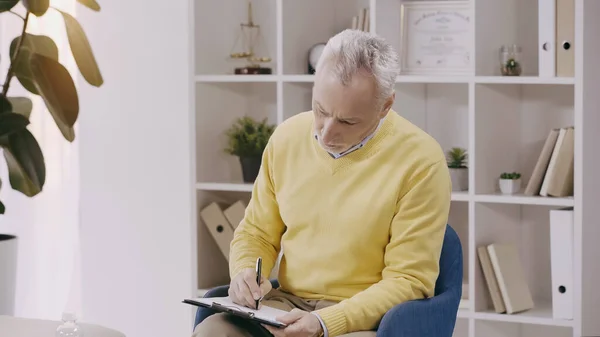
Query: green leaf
{"x": 21, "y": 105}
{"x": 2, "y": 208}
{"x": 6, "y": 5}
{"x": 57, "y": 88}
{"x": 91, "y": 4}
{"x": 39, "y": 44}
{"x": 25, "y": 161}
{"x": 82, "y": 51}
{"x": 11, "y": 123}
{"x": 5, "y": 104}
{"x": 37, "y": 7}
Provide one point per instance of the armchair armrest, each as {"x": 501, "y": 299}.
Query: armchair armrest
{"x": 431, "y": 317}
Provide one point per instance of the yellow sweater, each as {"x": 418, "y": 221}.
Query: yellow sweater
{"x": 365, "y": 229}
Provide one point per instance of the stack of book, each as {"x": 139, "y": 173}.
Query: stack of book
{"x": 505, "y": 279}
{"x": 362, "y": 20}
{"x": 553, "y": 172}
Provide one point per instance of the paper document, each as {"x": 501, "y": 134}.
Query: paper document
{"x": 225, "y": 304}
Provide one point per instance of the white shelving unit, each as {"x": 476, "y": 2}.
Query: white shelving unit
{"x": 501, "y": 121}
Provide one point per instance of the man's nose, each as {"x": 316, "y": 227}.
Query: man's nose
{"x": 328, "y": 129}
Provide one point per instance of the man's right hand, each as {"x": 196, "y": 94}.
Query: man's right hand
{"x": 243, "y": 289}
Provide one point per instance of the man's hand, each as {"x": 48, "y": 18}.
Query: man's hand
{"x": 300, "y": 324}
{"x": 244, "y": 290}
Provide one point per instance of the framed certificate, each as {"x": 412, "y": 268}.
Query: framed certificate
{"x": 436, "y": 38}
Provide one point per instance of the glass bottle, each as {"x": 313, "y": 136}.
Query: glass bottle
{"x": 69, "y": 327}
{"x": 510, "y": 60}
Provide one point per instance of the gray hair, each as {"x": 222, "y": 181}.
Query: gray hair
{"x": 354, "y": 51}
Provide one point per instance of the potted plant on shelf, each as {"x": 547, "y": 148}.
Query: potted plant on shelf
{"x": 34, "y": 62}
{"x": 459, "y": 172}
{"x": 510, "y": 183}
{"x": 247, "y": 140}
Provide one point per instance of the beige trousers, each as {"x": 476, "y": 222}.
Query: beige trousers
{"x": 225, "y": 325}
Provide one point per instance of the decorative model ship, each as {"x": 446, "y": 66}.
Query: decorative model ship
{"x": 251, "y": 38}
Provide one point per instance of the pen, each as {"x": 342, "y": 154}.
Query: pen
{"x": 258, "y": 276}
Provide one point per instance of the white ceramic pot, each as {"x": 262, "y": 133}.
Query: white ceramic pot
{"x": 509, "y": 186}
{"x": 460, "y": 179}
{"x": 8, "y": 274}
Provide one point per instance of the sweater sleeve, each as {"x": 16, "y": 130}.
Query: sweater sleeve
{"x": 411, "y": 256}
{"x": 259, "y": 233}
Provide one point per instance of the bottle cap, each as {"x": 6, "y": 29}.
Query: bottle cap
{"x": 69, "y": 316}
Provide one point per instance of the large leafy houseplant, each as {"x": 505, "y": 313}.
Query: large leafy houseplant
{"x": 247, "y": 139}
{"x": 34, "y": 62}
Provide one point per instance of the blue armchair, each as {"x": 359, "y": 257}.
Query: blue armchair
{"x": 431, "y": 317}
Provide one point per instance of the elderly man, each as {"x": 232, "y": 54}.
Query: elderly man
{"x": 355, "y": 195}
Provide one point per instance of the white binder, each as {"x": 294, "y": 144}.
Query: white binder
{"x": 561, "y": 257}
{"x": 547, "y": 38}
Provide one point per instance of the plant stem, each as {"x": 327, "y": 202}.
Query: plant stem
{"x": 11, "y": 71}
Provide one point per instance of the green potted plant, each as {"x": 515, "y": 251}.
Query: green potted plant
{"x": 247, "y": 139}
{"x": 34, "y": 61}
{"x": 510, "y": 182}
{"x": 459, "y": 172}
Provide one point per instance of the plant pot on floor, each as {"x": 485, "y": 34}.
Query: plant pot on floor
{"x": 509, "y": 186}
{"x": 459, "y": 178}
{"x": 250, "y": 168}
{"x": 8, "y": 273}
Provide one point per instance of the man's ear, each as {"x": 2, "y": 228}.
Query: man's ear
{"x": 387, "y": 105}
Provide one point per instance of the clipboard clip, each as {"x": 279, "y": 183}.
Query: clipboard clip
{"x": 232, "y": 310}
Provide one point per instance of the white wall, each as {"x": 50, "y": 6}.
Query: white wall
{"x": 136, "y": 185}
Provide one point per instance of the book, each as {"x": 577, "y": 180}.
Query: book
{"x": 490, "y": 279}
{"x": 265, "y": 315}
{"x": 560, "y": 179}
{"x": 553, "y": 173}
{"x": 510, "y": 276}
{"x": 535, "y": 182}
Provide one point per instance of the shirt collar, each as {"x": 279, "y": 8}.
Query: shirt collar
{"x": 355, "y": 147}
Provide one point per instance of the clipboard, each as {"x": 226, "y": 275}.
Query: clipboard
{"x": 266, "y": 315}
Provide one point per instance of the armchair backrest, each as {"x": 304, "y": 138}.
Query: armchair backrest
{"x": 450, "y": 278}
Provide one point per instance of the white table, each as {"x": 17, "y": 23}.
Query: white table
{"x": 25, "y": 327}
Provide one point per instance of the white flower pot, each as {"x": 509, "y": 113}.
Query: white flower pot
{"x": 510, "y": 186}
{"x": 8, "y": 274}
{"x": 459, "y": 178}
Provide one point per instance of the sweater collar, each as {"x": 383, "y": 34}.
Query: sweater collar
{"x": 355, "y": 147}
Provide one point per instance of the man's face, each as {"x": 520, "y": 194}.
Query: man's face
{"x": 345, "y": 115}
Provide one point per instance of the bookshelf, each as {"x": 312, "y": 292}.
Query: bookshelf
{"x": 501, "y": 121}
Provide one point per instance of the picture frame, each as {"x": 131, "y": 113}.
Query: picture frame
{"x": 436, "y": 38}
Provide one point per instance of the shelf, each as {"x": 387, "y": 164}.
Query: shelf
{"x": 520, "y": 199}
{"x": 524, "y": 80}
{"x": 512, "y": 123}
{"x": 224, "y": 187}
{"x": 226, "y": 102}
{"x": 298, "y": 78}
{"x": 235, "y": 78}
{"x": 505, "y": 22}
{"x": 527, "y": 228}
{"x": 217, "y": 29}
{"x": 440, "y": 109}
{"x": 460, "y": 196}
{"x": 540, "y": 315}
{"x": 245, "y": 187}
{"x": 308, "y": 22}
{"x": 433, "y": 79}
{"x": 306, "y": 78}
